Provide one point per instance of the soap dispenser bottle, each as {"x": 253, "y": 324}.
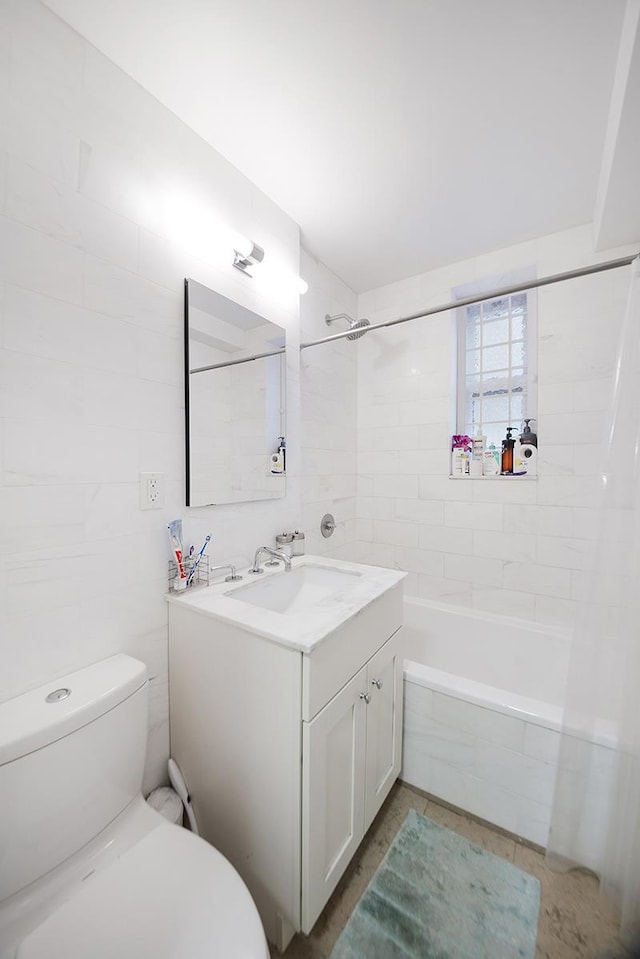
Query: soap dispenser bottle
{"x": 507, "y": 452}
{"x": 527, "y": 435}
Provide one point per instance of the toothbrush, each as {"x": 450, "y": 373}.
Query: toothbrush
{"x": 198, "y": 558}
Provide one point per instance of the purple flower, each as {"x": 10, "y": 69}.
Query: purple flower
{"x": 460, "y": 441}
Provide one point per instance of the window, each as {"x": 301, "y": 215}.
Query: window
{"x": 496, "y": 362}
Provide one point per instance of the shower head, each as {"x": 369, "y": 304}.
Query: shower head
{"x": 357, "y": 326}
{"x": 359, "y": 329}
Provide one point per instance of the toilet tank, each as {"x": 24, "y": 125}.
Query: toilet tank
{"x": 71, "y": 760}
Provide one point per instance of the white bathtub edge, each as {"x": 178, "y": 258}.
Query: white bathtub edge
{"x": 490, "y": 697}
{"x": 533, "y": 711}
{"x": 531, "y": 625}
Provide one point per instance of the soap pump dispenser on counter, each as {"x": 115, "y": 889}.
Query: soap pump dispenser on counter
{"x": 507, "y": 452}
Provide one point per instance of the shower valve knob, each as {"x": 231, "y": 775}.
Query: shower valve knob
{"x": 327, "y": 525}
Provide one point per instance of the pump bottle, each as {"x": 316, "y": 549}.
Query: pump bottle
{"x": 507, "y": 452}
{"x": 528, "y": 436}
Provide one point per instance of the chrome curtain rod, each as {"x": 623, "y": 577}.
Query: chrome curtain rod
{"x": 479, "y": 298}
{"x": 246, "y": 359}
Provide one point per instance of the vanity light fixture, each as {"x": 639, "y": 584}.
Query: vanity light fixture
{"x": 248, "y": 255}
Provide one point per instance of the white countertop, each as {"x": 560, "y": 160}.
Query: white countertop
{"x": 303, "y": 630}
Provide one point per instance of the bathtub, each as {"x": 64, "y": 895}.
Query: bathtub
{"x": 482, "y": 713}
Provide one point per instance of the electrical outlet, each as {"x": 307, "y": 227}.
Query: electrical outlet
{"x": 151, "y": 490}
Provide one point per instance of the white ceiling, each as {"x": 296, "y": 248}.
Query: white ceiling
{"x": 399, "y": 134}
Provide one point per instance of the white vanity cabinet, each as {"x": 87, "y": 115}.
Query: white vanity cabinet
{"x": 350, "y": 759}
{"x": 288, "y": 753}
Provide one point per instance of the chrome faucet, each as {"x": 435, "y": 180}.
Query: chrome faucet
{"x": 275, "y": 554}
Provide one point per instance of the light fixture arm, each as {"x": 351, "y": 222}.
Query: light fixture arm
{"x": 242, "y": 261}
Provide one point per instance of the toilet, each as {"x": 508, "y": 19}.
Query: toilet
{"x": 87, "y": 867}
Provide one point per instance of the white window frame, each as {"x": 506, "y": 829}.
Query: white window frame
{"x": 487, "y": 285}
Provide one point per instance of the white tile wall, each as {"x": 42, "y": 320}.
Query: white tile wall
{"x": 497, "y": 767}
{"x": 329, "y": 412}
{"x": 91, "y": 290}
{"x": 505, "y": 546}
{"x": 91, "y": 267}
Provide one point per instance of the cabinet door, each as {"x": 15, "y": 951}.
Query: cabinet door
{"x": 384, "y": 725}
{"x": 333, "y": 757}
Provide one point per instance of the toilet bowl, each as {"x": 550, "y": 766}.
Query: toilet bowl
{"x": 87, "y": 868}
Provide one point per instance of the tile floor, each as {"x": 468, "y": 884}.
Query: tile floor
{"x": 574, "y": 922}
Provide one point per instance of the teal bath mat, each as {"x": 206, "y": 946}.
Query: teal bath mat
{"x": 436, "y": 895}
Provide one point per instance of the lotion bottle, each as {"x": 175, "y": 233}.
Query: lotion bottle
{"x": 491, "y": 462}
{"x": 479, "y": 444}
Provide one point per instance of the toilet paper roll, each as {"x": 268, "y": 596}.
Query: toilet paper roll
{"x": 529, "y": 457}
{"x": 168, "y": 803}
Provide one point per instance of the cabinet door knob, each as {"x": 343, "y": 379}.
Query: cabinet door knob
{"x": 366, "y": 697}
{"x": 377, "y": 683}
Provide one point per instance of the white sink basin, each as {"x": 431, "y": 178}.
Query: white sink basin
{"x": 297, "y": 591}
{"x": 298, "y": 609}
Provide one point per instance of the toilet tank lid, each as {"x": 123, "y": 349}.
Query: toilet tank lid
{"x": 31, "y": 721}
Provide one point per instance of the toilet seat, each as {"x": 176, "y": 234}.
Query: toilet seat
{"x": 169, "y": 896}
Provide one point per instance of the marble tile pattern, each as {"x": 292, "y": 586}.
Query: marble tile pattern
{"x": 497, "y": 767}
{"x": 105, "y": 204}
{"x": 306, "y": 629}
{"x": 328, "y": 397}
{"x": 506, "y": 546}
{"x": 574, "y": 921}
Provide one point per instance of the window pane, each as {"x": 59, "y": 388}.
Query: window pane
{"x": 518, "y": 406}
{"x": 495, "y": 379}
{"x": 472, "y": 412}
{"x": 495, "y": 357}
{"x": 518, "y": 354}
{"x": 496, "y": 390}
{"x": 495, "y": 408}
{"x": 497, "y": 331}
{"x": 495, "y": 433}
{"x": 519, "y": 303}
{"x": 518, "y": 327}
{"x": 472, "y": 331}
{"x": 495, "y": 309}
{"x": 472, "y": 386}
{"x": 473, "y": 361}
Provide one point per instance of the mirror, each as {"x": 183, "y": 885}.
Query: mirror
{"x": 234, "y": 401}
